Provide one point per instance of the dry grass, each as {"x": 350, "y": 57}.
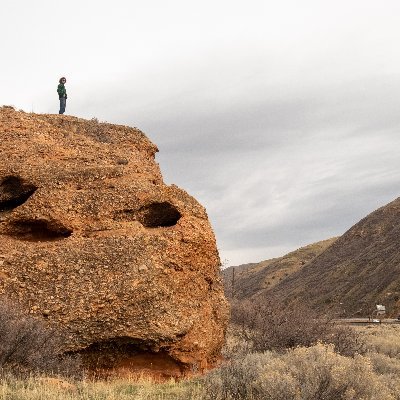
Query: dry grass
{"x": 382, "y": 339}
{"x": 304, "y": 370}
{"x": 383, "y": 344}
{"x": 301, "y": 373}
{"x": 312, "y": 372}
{"x": 262, "y": 326}
{"x": 304, "y": 373}
{"x": 37, "y": 388}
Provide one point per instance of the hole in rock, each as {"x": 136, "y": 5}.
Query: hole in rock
{"x": 158, "y": 215}
{"x": 14, "y": 192}
{"x": 125, "y": 356}
{"x": 38, "y": 230}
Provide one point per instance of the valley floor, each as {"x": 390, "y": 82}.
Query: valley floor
{"x": 301, "y": 373}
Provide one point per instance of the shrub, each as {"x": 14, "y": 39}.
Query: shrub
{"x": 302, "y": 373}
{"x": 98, "y": 131}
{"x": 384, "y": 339}
{"x": 384, "y": 364}
{"x": 263, "y": 327}
{"x": 26, "y": 345}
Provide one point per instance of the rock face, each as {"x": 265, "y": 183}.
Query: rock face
{"x": 94, "y": 242}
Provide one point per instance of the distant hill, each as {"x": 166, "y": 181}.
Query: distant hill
{"x": 345, "y": 276}
{"x": 247, "y": 280}
{"x": 358, "y": 271}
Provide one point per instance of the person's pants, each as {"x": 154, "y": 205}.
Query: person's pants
{"x": 63, "y": 103}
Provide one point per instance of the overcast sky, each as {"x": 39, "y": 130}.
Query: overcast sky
{"x": 281, "y": 117}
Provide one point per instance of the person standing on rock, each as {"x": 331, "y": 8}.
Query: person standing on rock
{"x": 62, "y": 95}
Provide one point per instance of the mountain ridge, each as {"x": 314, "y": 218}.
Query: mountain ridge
{"x": 345, "y": 276}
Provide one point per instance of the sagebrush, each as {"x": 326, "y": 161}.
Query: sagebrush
{"x": 27, "y": 346}
{"x": 303, "y": 373}
{"x": 264, "y": 326}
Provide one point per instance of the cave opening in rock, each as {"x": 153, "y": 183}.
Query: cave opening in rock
{"x": 157, "y": 215}
{"x": 125, "y": 355}
{"x": 14, "y": 191}
{"x": 38, "y": 230}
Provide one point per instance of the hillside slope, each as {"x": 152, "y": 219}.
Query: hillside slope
{"x": 361, "y": 269}
{"x": 246, "y": 280}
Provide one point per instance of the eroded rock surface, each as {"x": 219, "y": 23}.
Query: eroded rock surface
{"x": 94, "y": 242}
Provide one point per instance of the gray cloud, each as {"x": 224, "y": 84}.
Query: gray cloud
{"x": 280, "y": 117}
{"x": 281, "y": 168}
{"x": 306, "y": 173}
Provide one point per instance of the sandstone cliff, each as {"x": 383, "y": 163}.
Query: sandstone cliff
{"x": 94, "y": 242}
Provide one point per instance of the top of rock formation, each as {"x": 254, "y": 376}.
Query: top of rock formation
{"x": 94, "y": 242}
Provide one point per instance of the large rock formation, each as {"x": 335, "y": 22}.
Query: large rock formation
{"x": 94, "y": 242}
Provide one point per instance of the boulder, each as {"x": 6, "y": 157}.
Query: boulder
{"x": 93, "y": 242}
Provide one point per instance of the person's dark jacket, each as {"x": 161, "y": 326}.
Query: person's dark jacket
{"x": 62, "y": 92}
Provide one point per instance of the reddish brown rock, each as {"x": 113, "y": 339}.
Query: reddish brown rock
{"x": 94, "y": 242}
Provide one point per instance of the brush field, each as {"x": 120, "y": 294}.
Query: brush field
{"x": 300, "y": 373}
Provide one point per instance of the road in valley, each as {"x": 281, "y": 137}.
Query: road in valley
{"x": 366, "y": 321}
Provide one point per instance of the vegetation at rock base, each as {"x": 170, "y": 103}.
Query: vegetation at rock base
{"x": 302, "y": 362}
{"x": 42, "y": 388}
{"x": 27, "y": 346}
{"x": 315, "y": 372}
